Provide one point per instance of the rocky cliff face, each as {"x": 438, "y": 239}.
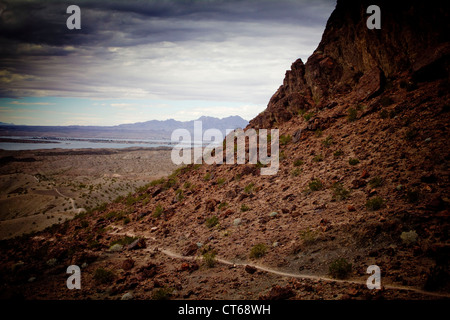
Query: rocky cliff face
{"x": 413, "y": 43}
{"x": 363, "y": 180}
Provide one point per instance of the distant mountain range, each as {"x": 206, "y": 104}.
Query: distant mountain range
{"x": 153, "y": 129}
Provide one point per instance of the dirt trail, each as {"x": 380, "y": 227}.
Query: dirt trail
{"x": 270, "y": 270}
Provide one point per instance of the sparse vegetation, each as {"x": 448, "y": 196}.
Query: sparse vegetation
{"x": 244, "y": 207}
{"x": 220, "y": 182}
{"x": 162, "y": 293}
{"x": 212, "y": 221}
{"x": 339, "y": 192}
{"x": 285, "y": 139}
{"x": 318, "y": 158}
{"x": 124, "y": 241}
{"x": 353, "y": 161}
{"x": 249, "y": 188}
{"x": 222, "y": 205}
{"x": 258, "y": 251}
{"x": 308, "y": 116}
{"x": 308, "y": 236}
{"x": 207, "y": 176}
{"x": 340, "y": 268}
{"x": 298, "y": 162}
{"x": 374, "y": 203}
{"x": 375, "y": 182}
{"x": 338, "y": 153}
{"x": 209, "y": 258}
{"x": 296, "y": 172}
{"x": 158, "y": 211}
{"x": 315, "y": 185}
{"x": 409, "y": 237}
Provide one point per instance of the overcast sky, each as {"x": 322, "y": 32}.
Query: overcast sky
{"x": 136, "y": 60}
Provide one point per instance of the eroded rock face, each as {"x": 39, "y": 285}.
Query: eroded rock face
{"x": 350, "y": 56}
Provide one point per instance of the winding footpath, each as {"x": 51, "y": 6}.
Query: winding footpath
{"x": 270, "y": 270}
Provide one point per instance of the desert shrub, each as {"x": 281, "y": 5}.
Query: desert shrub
{"x": 103, "y": 276}
{"x": 296, "y": 172}
{"x": 179, "y": 195}
{"x": 207, "y": 176}
{"x": 258, "y": 250}
{"x": 222, "y": 205}
{"x": 158, "y": 211}
{"x": 124, "y": 241}
{"x": 339, "y": 191}
{"x": 162, "y": 293}
{"x": 374, "y": 203}
{"x": 308, "y": 236}
{"x": 338, "y": 153}
{"x": 187, "y": 185}
{"x": 244, "y": 207}
{"x": 409, "y": 237}
{"x": 353, "y": 161}
{"x": 318, "y": 158}
{"x": 298, "y": 162}
{"x": 249, "y": 188}
{"x": 308, "y": 116}
{"x": 284, "y": 140}
{"x": 220, "y": 181}
{"x": 209, "y": 258}
{"x": 340, "y": 268}
{"x": 301, "y": 112}
{"x": 212, "y": 221}
{"x": 352, "y": 113}
{"x": 315, "y": 185}
{"x": 375, "y": 182}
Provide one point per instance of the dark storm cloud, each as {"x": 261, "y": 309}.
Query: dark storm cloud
{"x": 155, "y": 46}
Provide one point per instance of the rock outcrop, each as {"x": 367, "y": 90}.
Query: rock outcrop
{"x": 413, "y": 43}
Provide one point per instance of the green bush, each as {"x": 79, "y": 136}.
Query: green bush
{"x": 284, "y": 140}
{"x": 339, "y": 192}
{"x": 162, "y": 293}
{"x": 298, "y": 162}
{"x": 340, "y": 268}
{"x": 308, "y": 236}
{"x": 353, "y": 161}
{"x": 315, "y": 185}
{"x": 374, "y": 203}
{"x": 210, "y": 259}
{"x": 244, "y": 207}
{"x": 124, "y": 241}
{"x": 375, "y": 182}
{"x": 338, "y": 153}
{"x": 249, "y": 188}
{"x": 318, "y": 158}
{"x": 258, "y": 250}
{"x": 296, "y": 172}
{"x": 409, "y": 237}
{"x": 308, "y": 116}
{"x": 158, "y": 211}
{"x": 212, "y": 221}
{"x": 220, "y": 181}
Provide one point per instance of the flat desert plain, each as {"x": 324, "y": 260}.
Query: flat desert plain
{"x": 39, "y": 188}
